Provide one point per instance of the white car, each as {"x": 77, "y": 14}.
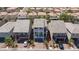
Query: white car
{"x": 25, "y": 43}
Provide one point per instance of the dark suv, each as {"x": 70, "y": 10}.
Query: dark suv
{"x": 76, "y": 42}
{"x": 61, "y": 46}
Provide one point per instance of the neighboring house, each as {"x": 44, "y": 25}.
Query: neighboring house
{"x": 22, "y": 30}
{"x": 3, "y": 15}
{"x": 41, "y": 14}
{"x": 12, "y": 9}
{"x": 40, "y": 30}
{"x": 32, "y": 14}
{"x": 22, "y": 15}
{"x": 50, "y": 8}
{"x": 25, "y": 9}
{"x": 6, "y": 30}
{"x": 73, "y": 29}
{"x": 58, "y": 31}
{"x": 11, "y": 16}
{"x": 53, "y": 16}
{"x": 38, "y": 8}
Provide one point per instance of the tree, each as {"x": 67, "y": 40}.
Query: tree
{"x": 69, "y": 11}
{"x": 41, "y": 10}
{"x": 71, "y": 41}
{"x": 47, "y": 17}
{"x": 32, "y": 42}
{"x": 47, "y": 12}
{"x": 31, "y": 18}
{"x": 9, "y": 42}
{"x": 46, "y": 43}
{"x": 36, "y": 13}
{"x": 65, "y": 17}
{"x": 29, "y": 11}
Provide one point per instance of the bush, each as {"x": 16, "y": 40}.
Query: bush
{"x": 46, "y": 43}
{"x": 32, "y": 42}
{"x": 65, "y": 17}
{"x": 9, "y": 41}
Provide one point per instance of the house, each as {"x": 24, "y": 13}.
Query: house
{"x": 73, "y": 29}
{"x": 53, "y": 16}
{"x": 40, "y": 30}
{"x": 32, "y": 14}
{"x": 25, "y": 9}
{"x": 38, "y": 8}
{"x": 13, "y": 9}
{"x": 6, "y": 30}
{"x": 58, "y": 31}
{"x": 11, "y": 16}
{"x": 22, "y": 15}
{"x": 22, "y": 30}
{"x": 3, "y": 15}
{"x": 74, "y": 10}
{"x": 50, "y": 8}
{"x": 41, "y": 14}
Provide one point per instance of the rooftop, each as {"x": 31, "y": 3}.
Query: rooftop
{"x": 22, "y": 15}
{"x": 13, "y": 13}
{"x": 41, "y": 13}
{"x": 40, "y": 23}
{"x": 11, "y": 8}
{"x": 22, "y": 26}
{"x": 52, "y": 14}
{"x": 32, "y": 14}
{"x": 3, "y": 13}
{"x": 73, "y": 28}
{"x": 57, "y": 26}
{"x": 7, "y": 27}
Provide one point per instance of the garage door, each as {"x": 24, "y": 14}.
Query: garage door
{"x": 2, "y": 39}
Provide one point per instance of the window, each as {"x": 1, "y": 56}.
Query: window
{"x": 36, "y": 28}
{"x": 36, "y": 33}
{"x": 40, "y": 34}
{"x": 22, "y": 34}
{"x": 40, "y": 28}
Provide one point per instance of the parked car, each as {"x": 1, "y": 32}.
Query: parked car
{"x": 77, "y": 43}
{"x": 25, "y": 43}
{"x": 61, "y": 46}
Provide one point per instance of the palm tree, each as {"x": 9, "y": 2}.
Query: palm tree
{"x": 47, "y": 17}
{"x": 46, "y": 43}
{"x": 32, "y": 43}
{"x": 28, "y": 11}
{"x": 36, "y": 13}
{"x": 46, "y": 11}
{"x": 47, "y": 14}
{"x": 54, "y": 44}
{"x": 9, "y": 42}
{"x": 71, "y": 42}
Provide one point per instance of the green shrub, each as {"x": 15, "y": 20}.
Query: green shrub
{"x": 9, "y": 41}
